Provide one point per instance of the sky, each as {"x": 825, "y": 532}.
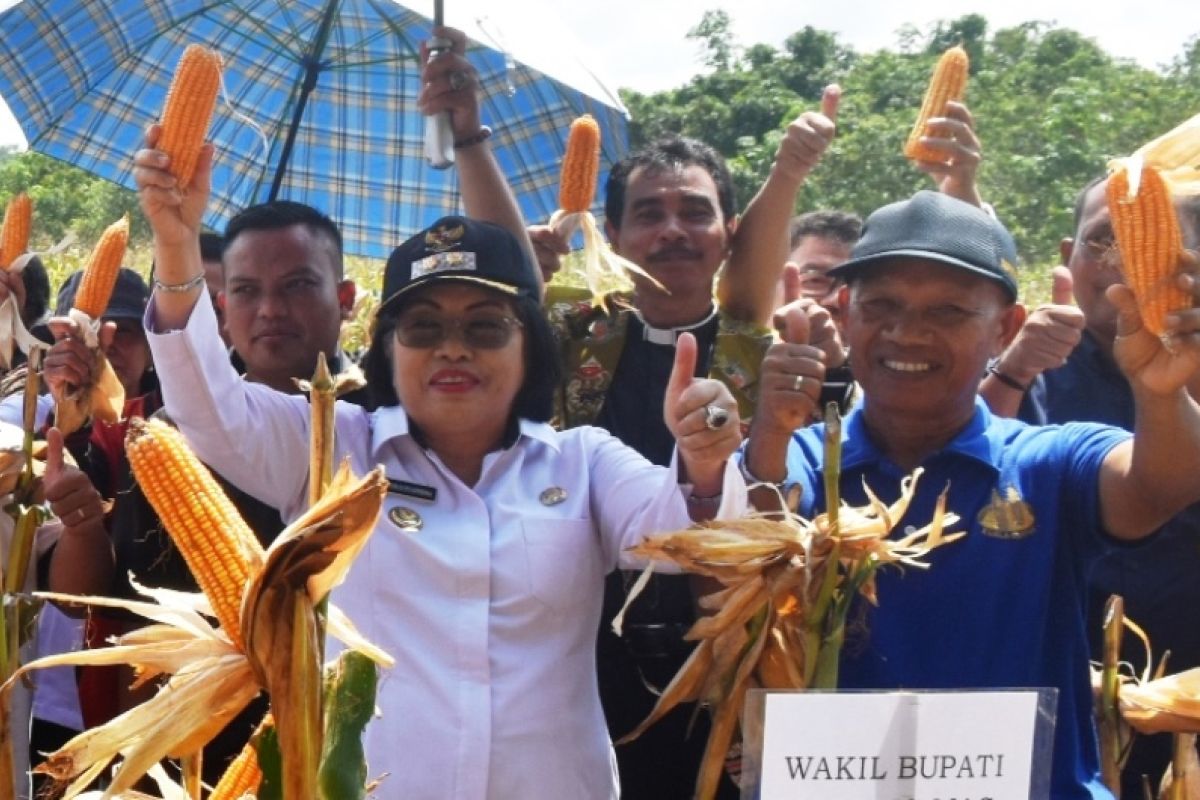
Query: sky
{"x": 642, "y": 44}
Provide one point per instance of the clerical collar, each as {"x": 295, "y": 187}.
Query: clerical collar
{"x": 667, "y": 336}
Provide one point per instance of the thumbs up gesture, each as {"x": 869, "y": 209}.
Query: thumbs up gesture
{"x": 703, "y": 417}
{"x": 1048, "y": 336}
{"x": 68, "y": 490}
{"x": 808, "y": 136}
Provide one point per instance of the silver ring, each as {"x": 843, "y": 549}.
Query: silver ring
{"x": 715, "y": 417}
{"x": 458, "y": 79}
{"x": 797, "y": 383}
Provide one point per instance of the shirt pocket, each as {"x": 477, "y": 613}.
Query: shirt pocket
{"x": 562, "y": 560}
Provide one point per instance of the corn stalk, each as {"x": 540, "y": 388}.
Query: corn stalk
{"x": 826, "y": 627}
{"x": 309, "y": 652}
{"x": 1112, "y": 750}
{"x": 787, "y": 585}
{"x": 18, "y": 611}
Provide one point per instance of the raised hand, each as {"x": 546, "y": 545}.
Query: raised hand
{"x": 69, "y": 491}
{"x": 793, "y": 370}
{"x": 1048, "y": 336}
{"x": 173, "y": 211}
{"x": 808, "y": 136}
{"x": 70, "y": 363}
{"x": 1159, "y": 365}
{"x": 703, "y": 417}
{"x": 805, "y": 321}
{"x": 549, "y": 248}
{"x": 953, "y": 136}
{"x": 449, "y": 83}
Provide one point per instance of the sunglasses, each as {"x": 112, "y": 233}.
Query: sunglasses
{"x": 481, "y": 330}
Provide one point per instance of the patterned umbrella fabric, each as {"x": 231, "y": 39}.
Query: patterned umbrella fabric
{"x": 85, "y": 79}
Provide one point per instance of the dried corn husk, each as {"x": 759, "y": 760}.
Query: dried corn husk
{"x": 210, "y": 680}
{"x": 1175, "y": 154}
{"x": 774, "y": 574}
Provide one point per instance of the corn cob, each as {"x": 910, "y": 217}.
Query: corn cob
{"x": 581, "y": 164}
{"x": 219, "y": 548}
{"x": 189, "y": 109}
{"x": 1148, "y": 237}
{"x": 96, "y": 286}
{"x": 949, "y": 82}
{"x": 14, "y": 236}
{"x": 241, "y": 777}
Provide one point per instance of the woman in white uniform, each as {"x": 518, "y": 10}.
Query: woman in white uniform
{"x": 484, "y": 576}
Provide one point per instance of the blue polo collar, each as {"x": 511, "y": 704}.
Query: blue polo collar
{"x": 973, "y": 441}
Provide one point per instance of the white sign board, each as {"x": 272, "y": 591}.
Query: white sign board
{"x": 898, "y": 745}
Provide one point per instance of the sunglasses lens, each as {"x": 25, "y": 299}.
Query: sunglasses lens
{"x": 487, "y": 332}
{"x": 479, "y": 331}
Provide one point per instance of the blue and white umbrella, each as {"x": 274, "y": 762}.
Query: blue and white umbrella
{"x": 320, "y": 103}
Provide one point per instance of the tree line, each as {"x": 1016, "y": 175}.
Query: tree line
{"x": 1050, "y": 105}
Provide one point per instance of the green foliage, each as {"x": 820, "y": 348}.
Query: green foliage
{"x": 67, "y": 200}
{"x": 1050, "y": 107}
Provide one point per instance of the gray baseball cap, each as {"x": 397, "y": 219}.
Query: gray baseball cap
{"x": 936, "y": 227}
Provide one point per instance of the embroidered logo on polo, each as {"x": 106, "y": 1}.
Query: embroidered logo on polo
{"x": 1007, "y": 517}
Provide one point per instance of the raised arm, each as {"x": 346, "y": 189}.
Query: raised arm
{"x": 746, "y": 290}
{"x": 451, "y": 84}
{"x": 1148, "y": 479}
{"x": 255, "y": 437}
{"x": 174, "y": 214}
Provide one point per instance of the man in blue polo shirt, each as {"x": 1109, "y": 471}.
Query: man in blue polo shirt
{"x": 1060, "y": 368}
{"x": 930, "y": 299}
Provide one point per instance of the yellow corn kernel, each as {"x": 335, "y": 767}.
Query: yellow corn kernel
{"x": 1148, "y": 238}
{"x": 241, "y": 777}
{"x": 581, "y": 165}
{"x": 220, "y": 549}
{"x": 189, "y": 109}
{"x": 100, "y": 276}
{"x": 949, "y": 82}
{"x": 14, "y": 235}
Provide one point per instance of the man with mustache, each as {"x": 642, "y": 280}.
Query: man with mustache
{"x": 670, "y": 209}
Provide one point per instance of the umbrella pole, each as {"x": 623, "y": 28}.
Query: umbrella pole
{"x": 439, "y": 137}
{"x": 312, "y": 71}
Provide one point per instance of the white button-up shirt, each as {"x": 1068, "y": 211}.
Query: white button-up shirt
{"x": 490, "y": 609}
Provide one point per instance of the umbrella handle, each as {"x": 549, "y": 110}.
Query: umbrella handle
{"x": 439, "y": 136}
{"x": 439, "y": 141}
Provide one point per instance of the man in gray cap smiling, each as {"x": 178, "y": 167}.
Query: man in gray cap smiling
{"x": 930, "y": 298}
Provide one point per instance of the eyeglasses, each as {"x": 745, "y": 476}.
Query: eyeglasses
{"x": 817, "y": 284}
{"x": 480, "y": 330}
